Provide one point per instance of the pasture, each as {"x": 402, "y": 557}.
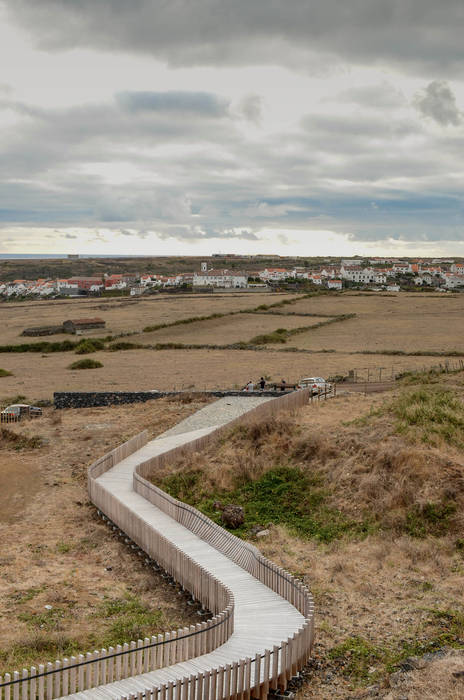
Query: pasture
{"x": 387, "y": 335}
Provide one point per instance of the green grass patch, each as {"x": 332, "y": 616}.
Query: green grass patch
{"x": 129, "y": 620}
{"x": 284, "y": 495}
{"x": 5, "y": 373}
{"x": 430, "y": 414}
{"x": 88, "y": 363}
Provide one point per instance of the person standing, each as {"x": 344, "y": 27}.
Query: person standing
{"x": 283, "y": 385}
{"x": 262, "y": 383}
{"x": 250, "y": 386}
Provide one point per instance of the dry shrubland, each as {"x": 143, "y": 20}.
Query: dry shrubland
{"x": 57, "y": 553}
{"x": 364, "y": 498}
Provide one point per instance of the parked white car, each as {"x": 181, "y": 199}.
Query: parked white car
{"x": 318, "y": 384}
{"x": 19, "y": 410}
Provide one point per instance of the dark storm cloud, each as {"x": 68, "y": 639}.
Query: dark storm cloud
{"x": 423, "y": 34}
{"x": 438, "y": 102}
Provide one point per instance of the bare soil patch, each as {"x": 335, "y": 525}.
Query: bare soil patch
{"x": 57, "y": 552}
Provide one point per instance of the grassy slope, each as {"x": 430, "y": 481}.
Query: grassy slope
{"x": 368, "y": 512}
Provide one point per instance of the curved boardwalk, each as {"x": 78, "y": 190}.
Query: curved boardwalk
{"x": 261, "y": 631}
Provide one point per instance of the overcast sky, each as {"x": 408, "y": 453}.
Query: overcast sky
{"x": 303, "y": 127}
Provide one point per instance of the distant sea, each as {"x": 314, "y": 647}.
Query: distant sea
{"x": 64, "y": 256}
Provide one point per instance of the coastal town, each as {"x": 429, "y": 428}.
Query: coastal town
{"x": 375, "y": 274}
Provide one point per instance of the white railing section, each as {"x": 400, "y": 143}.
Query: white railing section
{"x": 259, "y": 674}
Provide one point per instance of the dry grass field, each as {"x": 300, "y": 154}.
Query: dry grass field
{"x": 122, "y": 315}
{"x": 408, "y": 322}
{"x": 56, "y": 551}
{"x": 225, "y": 331}
{"x": 382, "y": 589}
{"x": 37, "y": 376}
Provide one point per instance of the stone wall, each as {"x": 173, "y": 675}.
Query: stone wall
{"x": 88, "y": 399}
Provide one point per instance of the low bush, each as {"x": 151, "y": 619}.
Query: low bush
{"x": 125, "y": 345}
{"x": 5, "y": 373}
{"x": 278, "y": 336}
{"x": 42, "y": 346}
{"x": 85, "y": 364}
{"x": 89, "y": 345}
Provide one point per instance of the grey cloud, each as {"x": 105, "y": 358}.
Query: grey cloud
{"x": 383, "y": 96}
{"x": 46, "y": 139}
{"x": 197, "y": 103}
{"x": 420, "y": 34}
{"x": 219, "y": 184}
{"x": 438, "y": 102}
{"x": 251, "y": 108}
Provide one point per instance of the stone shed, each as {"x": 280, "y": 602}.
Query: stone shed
{"x": 82, "y": 324}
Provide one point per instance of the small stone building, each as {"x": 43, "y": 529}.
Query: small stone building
{"x": 81, "y": 324}
{"x": 42, "y": 330}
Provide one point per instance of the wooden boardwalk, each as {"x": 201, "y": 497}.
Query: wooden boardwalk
{"x": 261, "y": 630}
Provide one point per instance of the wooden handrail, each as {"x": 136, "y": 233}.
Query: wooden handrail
{"x": 269, "y": 669}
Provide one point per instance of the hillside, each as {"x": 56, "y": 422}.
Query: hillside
{"x": 368, "y": 511}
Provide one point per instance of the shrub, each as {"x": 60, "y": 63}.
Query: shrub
{"x": 125, "y": 345}
{"x": 277, "y": 336}
{"x": 5, "y": 373}
{"x": 42, "y": 346}
{"x": 89, "y": 345}
{"x": 85, "y": 364}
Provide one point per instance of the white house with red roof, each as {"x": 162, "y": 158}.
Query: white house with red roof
{"x": 275, "y": 274}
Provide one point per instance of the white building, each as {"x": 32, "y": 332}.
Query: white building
{"x": 457, "y": 268}
{"x": 452, "y": 281}
{"x": 220, "y": 278}
{"x": 275, "y": 274}
{"x": 334, "y": 284}
{"x": 364, "y": 276}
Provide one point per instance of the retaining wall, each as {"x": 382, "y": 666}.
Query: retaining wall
{"x": 89, "y": 399}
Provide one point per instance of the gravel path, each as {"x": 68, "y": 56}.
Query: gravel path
{"x": 217, "y": 413}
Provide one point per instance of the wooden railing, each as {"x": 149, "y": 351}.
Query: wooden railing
{"x": 272, "y": 669}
